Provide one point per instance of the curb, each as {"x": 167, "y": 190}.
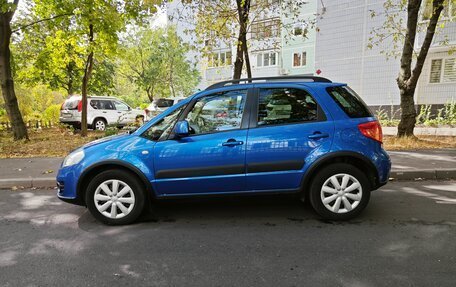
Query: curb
{"x": 42, "y": 182}
{"x": 424, "y": 174}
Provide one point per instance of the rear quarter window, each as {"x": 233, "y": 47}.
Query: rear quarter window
{"x": 349, "y": 101}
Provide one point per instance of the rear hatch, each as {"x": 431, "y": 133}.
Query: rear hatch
{"x": 355, "y": 108}
{"x": 71, "y": 109}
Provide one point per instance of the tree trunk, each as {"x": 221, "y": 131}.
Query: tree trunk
{"x": 6, "y": 77}
{"x": 246, "y": 56}
{"x": 85, "y": 82}
{"x": 408, "y": 112}
{"x": 243, "y": 9}
{"x": 239, "y": 62}
{"x": 408, "y": 79}
{"x": 150, "y": 93}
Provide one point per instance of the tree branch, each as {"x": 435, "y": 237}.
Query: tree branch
{"x": 41, "y": 20}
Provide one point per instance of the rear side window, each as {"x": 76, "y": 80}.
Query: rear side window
{"x": 285, "y": 106}
{"x": 102, "y": 105}
{"x": 350, "y": 102}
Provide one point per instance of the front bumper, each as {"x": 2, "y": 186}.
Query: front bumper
{"x": 67, "y": 180}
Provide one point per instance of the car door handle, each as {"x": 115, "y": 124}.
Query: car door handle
{"x": 104, "y": 112}
{"x": 318, "y": 135}
{"x": 232, "y": 142}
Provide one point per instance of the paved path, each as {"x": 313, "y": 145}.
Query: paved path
{"x": 41, "y": 172}
{"x": 406, "y": 237}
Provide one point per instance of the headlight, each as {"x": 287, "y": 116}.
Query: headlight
{"x": 73, "y": 158}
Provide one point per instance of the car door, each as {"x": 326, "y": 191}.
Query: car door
{"x": 212, "y": 158}
{"x": 287, "y": 126}
{"x": 107, "y": 110}
{"x": 124, "y": 113}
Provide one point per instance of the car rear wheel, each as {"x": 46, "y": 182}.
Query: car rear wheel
{"x": 99, "y": 124}
{"x": 115, "y": 197}
{"x": 339, "y": 192}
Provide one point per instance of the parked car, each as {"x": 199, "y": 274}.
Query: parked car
{"x": 159, "y": 105}
{"x": 302, "y": 135}
{"x": 101, "y": 112}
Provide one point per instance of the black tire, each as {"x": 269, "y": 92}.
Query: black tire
{"x": 131, "y": 180}
{"x": 95, "y": 125}
{"x": 322, "y": 176}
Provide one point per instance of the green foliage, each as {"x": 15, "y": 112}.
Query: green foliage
{"x": 110, "y": 131}
{"x": 155, "y": 62}
{"x": 51, "y": 114}
{"x": 54, "y": 52}
{"x": 388, "y": 119}
{"x": 444, "y": 116}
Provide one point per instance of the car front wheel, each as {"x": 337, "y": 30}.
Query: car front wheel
{"x": 339, "y": 192}
{"x": 115, "y": 197}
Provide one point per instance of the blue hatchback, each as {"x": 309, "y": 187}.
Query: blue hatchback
{"x": 302, "y": 135}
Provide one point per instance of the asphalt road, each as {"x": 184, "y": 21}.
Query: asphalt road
{"x": 406, "y": 237}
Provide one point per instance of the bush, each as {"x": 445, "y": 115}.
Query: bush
{"x": 51, "y": 114}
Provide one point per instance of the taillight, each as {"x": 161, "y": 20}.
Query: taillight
{"x": 61, "y": 107}
{"x": 372, "y": 130}
{"x": 79, "y": 106}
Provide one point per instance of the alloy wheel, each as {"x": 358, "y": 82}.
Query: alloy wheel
{"x": 100, "y": 125}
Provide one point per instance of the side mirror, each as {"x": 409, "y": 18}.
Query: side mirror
{"x": 182, "y": 129}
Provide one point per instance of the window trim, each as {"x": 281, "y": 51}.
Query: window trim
{"x": 321, "y": 115}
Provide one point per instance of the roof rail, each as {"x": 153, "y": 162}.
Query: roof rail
{"x": 251, "y": 80}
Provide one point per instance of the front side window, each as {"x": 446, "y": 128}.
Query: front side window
{"x": 218, "y": 112}
{"x": 121, "y": 106}
{"x": 285, "y": 106}
{"x": 162, "y": 129}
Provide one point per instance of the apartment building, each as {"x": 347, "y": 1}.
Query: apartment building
{"x": 331, "y": 38}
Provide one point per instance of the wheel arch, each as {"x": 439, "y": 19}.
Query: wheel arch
{"x": 356, "y": 159}
{"x": 101, "y": 118}
{"x": 111, "y": 164}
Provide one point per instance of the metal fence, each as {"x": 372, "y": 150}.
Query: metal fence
{"x": 36, "y": 124}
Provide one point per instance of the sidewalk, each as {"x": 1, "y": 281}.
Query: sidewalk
{"x": 431, "y": 164}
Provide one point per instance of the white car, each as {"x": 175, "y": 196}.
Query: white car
{"x": 101, "y": 112}
{"x": 159, "y": 105}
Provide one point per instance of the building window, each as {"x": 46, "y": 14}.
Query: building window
{"x": 443, "y": 71}
{"x": 299, "y": 29}
{"x": 436, "y": 71}
{"x": 449, "y": 71}
{"x": 266, "y": 59}
{"x": 265, "y": 29}
{"x": 219, "y": 59}
{"x": 299, "y": 59}
{"x": 448, "y": 13}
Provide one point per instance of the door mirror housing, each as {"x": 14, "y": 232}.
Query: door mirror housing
{"x": 182, "y": 129}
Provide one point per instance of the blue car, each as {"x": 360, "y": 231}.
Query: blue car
{"x": 302, "y": 135}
